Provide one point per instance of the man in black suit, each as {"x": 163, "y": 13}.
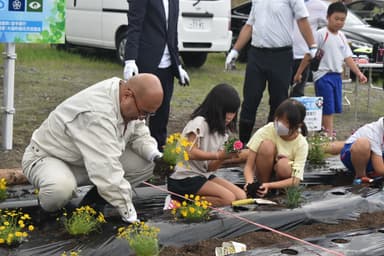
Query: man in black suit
{"x": 152, "y": 48}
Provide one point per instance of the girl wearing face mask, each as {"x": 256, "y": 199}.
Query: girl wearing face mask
{"x": 277, "y": 149}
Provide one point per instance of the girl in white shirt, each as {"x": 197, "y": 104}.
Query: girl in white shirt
{"x": 208, "y": 131}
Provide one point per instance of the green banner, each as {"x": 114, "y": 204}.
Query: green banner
{"x": 32, "y": 21}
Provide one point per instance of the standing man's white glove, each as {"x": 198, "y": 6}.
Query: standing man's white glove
{"x": 130, "y": 69}
{"x": 131, "y": 216}
{"x": 231, "y": 58}
{"x": 184, "y": 78}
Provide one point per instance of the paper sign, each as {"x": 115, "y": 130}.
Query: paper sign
{"x": 228, "y": 248}
{"x": 314, "y": 106}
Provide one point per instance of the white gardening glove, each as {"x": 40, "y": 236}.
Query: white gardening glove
{"x": 129, "y": 217}
{"x": 130, "y": 69}
{"x": 231, "y": 58}
{"x": 313, "y": 50}
{"x": 184, "y": 78}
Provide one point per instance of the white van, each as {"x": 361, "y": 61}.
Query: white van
{"x": 204, "y": 26}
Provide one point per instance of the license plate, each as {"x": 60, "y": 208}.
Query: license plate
{"x": 197, "y": 24}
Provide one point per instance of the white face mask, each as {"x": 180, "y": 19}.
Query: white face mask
{"x": 281, "y": 129}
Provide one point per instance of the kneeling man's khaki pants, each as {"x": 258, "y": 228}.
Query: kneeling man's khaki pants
{"x": 57, "y": 180}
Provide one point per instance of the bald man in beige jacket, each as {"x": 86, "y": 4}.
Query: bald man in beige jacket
{"x": 98, "y": 136}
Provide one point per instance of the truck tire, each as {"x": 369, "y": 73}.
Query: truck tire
{"x": 62, "y": 47}
{"x": 194, "y": 59}
{"x": 120, "y": 47}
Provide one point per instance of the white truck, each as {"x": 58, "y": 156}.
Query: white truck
{"x": 204, "y": 26}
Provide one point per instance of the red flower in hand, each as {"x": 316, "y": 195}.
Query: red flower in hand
{"x": 233, "y": 145}
{"x": 237, "y": 145}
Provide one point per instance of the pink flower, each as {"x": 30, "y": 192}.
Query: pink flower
{"x": 237, "y": 145}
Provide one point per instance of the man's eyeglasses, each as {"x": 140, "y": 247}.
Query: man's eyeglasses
{"x": 142, "y": 114}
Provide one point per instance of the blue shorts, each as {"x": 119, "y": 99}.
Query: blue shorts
{"x": 330, "y": 88}
{"x": 345, "y": 157}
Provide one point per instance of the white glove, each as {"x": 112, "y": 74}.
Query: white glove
{"x": 130, "y": 69}
{"x": 231, "y": 58}
{"x": 184, "y": 78}
{"x": 313, "y": 51}
{"x": 130, "y": 217}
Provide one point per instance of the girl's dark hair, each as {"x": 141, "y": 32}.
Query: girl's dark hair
{"x": 295, "y": 113}
{"x": 222, "y": 99}
{"x": 336, "y": 7}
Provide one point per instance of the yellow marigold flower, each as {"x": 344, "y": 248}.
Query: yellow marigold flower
{"x": 197, "y": 203}
{"x": 184, "y": 143}
{"x": 31, "y": 227}
{"x": 18, "y": 234}
{"x": 197, "y": 198}
{"x": 186, "y": 156}
{"x": 6, "y": 223}
{"x": 2, "y": 228}
{"x": 101, "y": 218}
{"x": 184, "y": 203}
{"x": 2, "y": 241}
{"x": 25, "y": 234}
{"x": 191, "y": 209}
{"x": 191, "y": 196}
{"x": 184, "y": 213}
{"x": 186, "y": 196}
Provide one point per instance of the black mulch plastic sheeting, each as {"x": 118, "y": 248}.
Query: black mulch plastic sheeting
{"x": 327, "y": 206}
{"x": 362, "y": 242}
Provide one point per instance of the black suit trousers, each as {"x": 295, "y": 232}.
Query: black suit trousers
{"x": 158, "y": 123}
{"x": 265, "y": 67}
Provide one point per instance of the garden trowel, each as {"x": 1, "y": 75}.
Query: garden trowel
{"x": 368, "y": 187}
{"x": 259, "y": 201}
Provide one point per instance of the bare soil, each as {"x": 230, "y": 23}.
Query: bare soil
{"x": 265, "y": 238}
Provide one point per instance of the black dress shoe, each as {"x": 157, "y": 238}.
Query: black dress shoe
{"x": 99, "y": 204}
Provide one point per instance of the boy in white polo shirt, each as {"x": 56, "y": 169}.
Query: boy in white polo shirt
{"x": 328, "y": 83}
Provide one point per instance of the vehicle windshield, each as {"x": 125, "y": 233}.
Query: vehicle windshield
{"x": 353, "y": 20}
